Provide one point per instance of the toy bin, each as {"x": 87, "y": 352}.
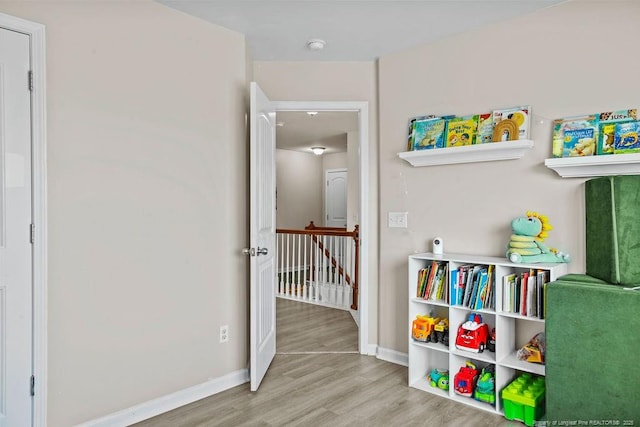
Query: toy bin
{"x": 523, "y": 399}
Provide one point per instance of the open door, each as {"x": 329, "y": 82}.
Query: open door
{"x": 262, "y": 234}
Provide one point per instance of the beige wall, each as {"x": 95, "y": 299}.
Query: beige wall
{"x": 570, "y": 59}
{"x": 299, "y": 186}
{"x": 335, "y": 81}
{"x": 146, "y": 179}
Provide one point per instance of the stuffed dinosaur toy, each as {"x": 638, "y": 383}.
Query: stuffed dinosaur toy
{"x": 525, "y": 245}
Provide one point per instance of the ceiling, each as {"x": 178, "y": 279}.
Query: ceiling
{"x": 298, "y": 131}
{"x": 354, "y": 30}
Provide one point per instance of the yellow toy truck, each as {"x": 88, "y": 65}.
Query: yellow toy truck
{"x": 422, "y": 327}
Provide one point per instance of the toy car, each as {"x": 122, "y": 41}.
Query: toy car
{"x": 440, "y": 332}
{"x": 473, "y": 335}
{"x": 491, "y": 345}
{"x": 464, "y": 381}
{"x": 422, "y": 326}
{"x": 485, "y": 386}
{"x": 439, "y": 378}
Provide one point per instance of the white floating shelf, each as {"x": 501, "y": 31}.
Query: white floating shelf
{"x": 613, "y": 164}
{"x": 507, "y": 150}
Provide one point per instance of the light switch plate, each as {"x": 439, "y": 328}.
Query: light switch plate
{"x": 398, "y": 219}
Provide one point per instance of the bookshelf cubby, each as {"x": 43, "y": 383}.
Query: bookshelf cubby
{"x": 512, "y": 330}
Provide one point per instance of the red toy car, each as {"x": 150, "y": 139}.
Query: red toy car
{"x": 465, "y": 380}
{"x": 473, "y": 335}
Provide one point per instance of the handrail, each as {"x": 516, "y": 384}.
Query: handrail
{"x": 315, "y": 231}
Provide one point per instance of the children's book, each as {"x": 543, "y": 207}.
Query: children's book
{"x": 560, "y": 126}
{"x": 607, "y": 128}
{"x": 412, "y": 121}
{"x": 428, "y": 133}
{"x": 485, "y": 128}
{"x": 453, "y": 287}
{"x": 580, "y": 142}
{"x": 461, "y": 131}
{"x": 520, "y": 115}
{"x": 626, "y": 138}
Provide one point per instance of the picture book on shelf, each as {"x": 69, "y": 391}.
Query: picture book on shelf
{"x": 580, "y": 142}
{"x": 560, "y": 126}
{"x": 412, "y": 121}
{"x": 485, "y": 128}
{"x": 461, "y": 131}
{"x": 607, "y": 128}
{"x": 519, "y": 116}
{"x": 428, "y": 133}
{"x": 626, "y": 138}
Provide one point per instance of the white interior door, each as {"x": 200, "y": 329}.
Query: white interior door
{"x": 15, "y": 226}
{"x": 336, "y": 198}
{"x": 262, "y": 234}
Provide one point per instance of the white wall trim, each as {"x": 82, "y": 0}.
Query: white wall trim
{"x": 393, "y": 356}
{"x": 362, "y": 107}
{"x": 171, "y": 401}
{"x": 36, "y": 33}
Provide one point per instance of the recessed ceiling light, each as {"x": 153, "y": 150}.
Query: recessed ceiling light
{"x": 312, "y": 113}
{"x": 316, "y": 44}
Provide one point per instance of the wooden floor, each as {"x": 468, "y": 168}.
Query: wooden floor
{"x": 302, "y": 327}
{"x": 338, "y": 388}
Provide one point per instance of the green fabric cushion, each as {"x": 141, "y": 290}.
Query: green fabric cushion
{"x": 593, "y": 343}
{"x": 613, "y": 229}
{"x": 582, "y": 278}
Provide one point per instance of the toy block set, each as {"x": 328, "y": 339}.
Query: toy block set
{"x": 523, "y": 399}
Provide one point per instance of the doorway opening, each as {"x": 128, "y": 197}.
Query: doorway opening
{"x": 346, "y": 149}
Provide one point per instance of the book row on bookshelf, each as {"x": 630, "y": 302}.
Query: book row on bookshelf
{"x": 433, "y": 131}
{"x": 611, "y": 132}
{"x": 469, "y": 285}
{"x": 473, "y": 286}
{"x": 524, "y": 293}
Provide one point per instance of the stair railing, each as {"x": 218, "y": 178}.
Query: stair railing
{"x": 319, "y": 265}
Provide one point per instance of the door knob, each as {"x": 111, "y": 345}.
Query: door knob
{"x": 262, "y": 251}
{"x": 249, "y": 251}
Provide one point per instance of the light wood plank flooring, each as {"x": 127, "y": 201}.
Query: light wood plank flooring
{"x": 302, "y": 327}
{"x": 334, "y": 389}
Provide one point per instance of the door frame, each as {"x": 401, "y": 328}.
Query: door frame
{"x": 36, "y": 33}
{"x": 325, "y": 199}
{"x": 362, "y": 108}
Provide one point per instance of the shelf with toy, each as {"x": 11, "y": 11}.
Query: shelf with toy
{"x": 505, "y": 150}
{"x": 429, "y": 302}
{"x": 512, "y": 361}
{"x": 597, "y": 165}
{"x": 509, "y": 331}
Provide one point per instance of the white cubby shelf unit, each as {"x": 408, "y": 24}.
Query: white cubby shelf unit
{"x": 512, "y": 330}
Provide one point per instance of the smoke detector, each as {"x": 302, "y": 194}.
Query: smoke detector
{"x": 316, "y": 44}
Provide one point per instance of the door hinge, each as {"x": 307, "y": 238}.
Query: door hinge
{"x": 32, "y": 233}
{"x": 33, "y": 385}
{"x": 30, "y": 81}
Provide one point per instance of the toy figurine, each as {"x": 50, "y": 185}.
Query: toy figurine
{"x": 525, "y": 245}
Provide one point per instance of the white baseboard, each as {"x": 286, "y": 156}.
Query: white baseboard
{"x": 171, "y": 401}
{"x": 393, "y": 356}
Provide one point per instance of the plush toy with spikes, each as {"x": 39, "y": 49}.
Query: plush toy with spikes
{"x": 525, "y": 245}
